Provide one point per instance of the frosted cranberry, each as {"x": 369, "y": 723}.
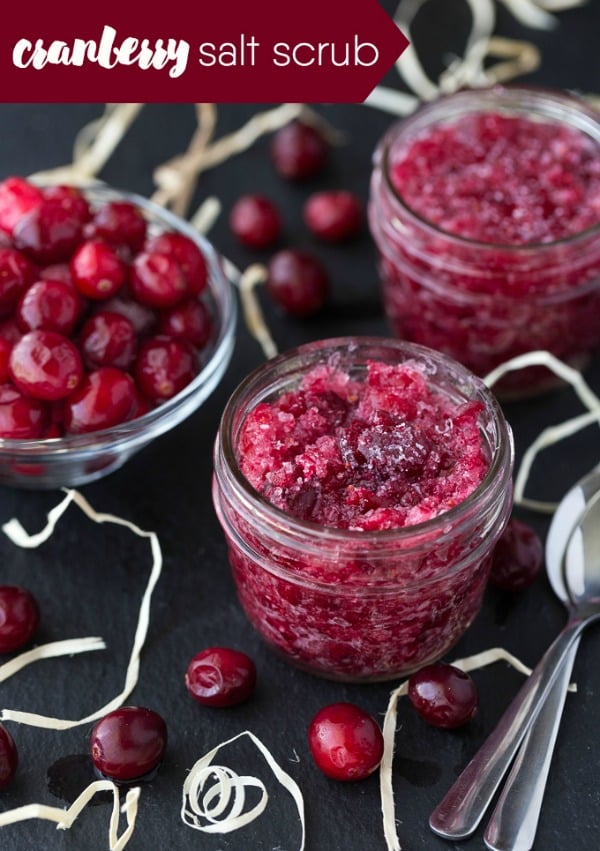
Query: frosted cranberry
{"x": 255, "y": 221}
{"x": 345, "y": 741}
{"x": 298, "y": 282}
{"x": 49, "y": 305}
{"x": 128, "y": 743}
{"x": 71, "y": 198}
{"x": 443, "y": 695}
{"x": 141, "y": 317}
{"x": 185, "y": 251}
{"x": 333, "y": 215}
{"x": 190, "y": 320}
{"x": 17, "y": 197}
{"x": 45, "y": 365}
{"x": 157, "y": 280}
{"x": 104, "y": 399}
{"x": 108, "y": 339}
{"x": 298, "y": 151}
{"x": 21, "y": 417}
{"x": 120, "y": 223}
{"x": 19, "y": 617}
{"x": 164, "y": 366}
{"x": 9, "y": 758}
{"x": 16, "y": 273}
{"x": 48, "y": 233}
{"x": 97, "y": 271}
{"x": 517, "y": 557}
{"x": 219, "y": 676}
{"x": 5, "y": 349}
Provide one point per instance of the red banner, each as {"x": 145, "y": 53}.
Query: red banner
{"x": 239, "y": 51}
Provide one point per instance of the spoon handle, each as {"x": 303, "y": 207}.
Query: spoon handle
{"x": 461, "y": 810}
{"x": 514, "y": 822}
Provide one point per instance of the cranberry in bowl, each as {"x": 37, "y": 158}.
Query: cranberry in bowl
{"x": 485, "y": 209}
{"x": 109, "y": 338}
{"x": 361, "y": 484}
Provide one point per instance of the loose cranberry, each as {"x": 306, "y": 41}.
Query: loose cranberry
{"x": 48, "y": 233}
{"x": 104, "y": 399}
{"x": 9, "y": 758}
{"x": 219, "y": 676}
{"x": 157, "y": 280}
{"x": 443, "y": 695}
{"x": 21, "y": 417}
{"x": 45, "y": 365}
{"x": 120, "y": 223}
{"x": 182, "y": 249}
{"x": 333, "y": 216}
{"x": 17, "y": 197}
{"x": 19, "y": 617}
{"x": 255, "y": 221}
{"x": 164, "y": 366}
{"x": 49, "y": 305}
{"x": 5, "y": 350}
{"x": 190, "y": 320}
{"x": 16, "y": 273}
{"x": 298, "y": 151}
{"x": 517, "y": 557}
{"x": 128, "y": 743}
{"x": 97, "y": 271}
{"x": 298, "y": 282}
{"x": 345, "y": 741}
{"x": 108, "y": 339}
{"x": 71, "y": 198}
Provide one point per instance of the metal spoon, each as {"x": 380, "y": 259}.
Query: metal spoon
{"x": 459, "y": 813}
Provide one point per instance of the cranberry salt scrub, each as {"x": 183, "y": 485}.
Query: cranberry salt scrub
{"x": 362, "y": 485}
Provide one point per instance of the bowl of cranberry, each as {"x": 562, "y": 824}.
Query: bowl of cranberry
{"x": 116, "y": 322}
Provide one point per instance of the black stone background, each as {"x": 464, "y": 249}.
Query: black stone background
{"x": 89, "y": 580}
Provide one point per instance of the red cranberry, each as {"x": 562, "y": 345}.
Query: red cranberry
{"x": 190, "y": 320}
{"x": 185, "y": 251}
{"x": 48, "y": 233}
{"x": 19, "y": 617}
{"x": 108, "y": 339}
{"x": 298, "y": 151}
{"x": 255, "y": 221}
{"x": 345, "y": 741}
{"x": 298, "y": 282}
{"x": 71, "y": 198}
{"x": 219, "y": 676}
{"x": 128, "y": 743}
{"x": 21, "y": 417}
{"x": 9, "y": 758}
{"x": 57, "y": 272}
{"x": 16, "y": 273}
{"x": 97, "y": 271}
{"x": 49, "y": 305}
{"x": 120, "y": 223}
{"x": 104, "y": 399}
{"x": 141, "y": 317}
{"x": 164, "y": 366}
{"x": 333, "y": 216}
{"x": 443, "y": 695}
{"x": 157, "y": 280}
{"x": 45, "y": 365}
{"x": 5, "y": 350}
{"x": 517, "y": 557}
{"x": 140, "y": 406}
{"x": 17, "y": 197}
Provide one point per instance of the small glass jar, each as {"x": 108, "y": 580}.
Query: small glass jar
{"x": 360, "y": 605}
{"x": 479, "y": 302}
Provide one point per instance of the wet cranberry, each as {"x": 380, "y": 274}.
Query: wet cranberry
{"x": 157, "y": 280}
{"x": 48, "y": 233}
{"x": 9, "y": 758}
{"x": 517, "y": 557}
{"x": 255, "y": 221}
{"x": 191, "y": 260}
{"x": 128, "y": 743}
{"x": 190, "y": 320}
{"x": 219, "y": 676}
{"x": 49, "y": 305}
{"x": 108, "y": 339}
{"x": 45, "y": 365}
{"x": 21, "y": 417}
{"x": 120, "y": 223}
{"x": 104, "y": 399}
{"x": 345, "y": 741}
{"x": 97, "y": 271}
{"x": 19, "y": 617}
{"x": 17, "y": 197}
{"x": 298, "y": 151}
{"x": 333, "y": 216}
{"x": 16, "y": 273}
{"x": 298, "y": 282}
{"x": 164, "y": 366}
{"x": 443, "y": 695}
{"x": 71, "y": 198}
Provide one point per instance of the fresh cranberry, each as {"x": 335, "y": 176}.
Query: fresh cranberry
{"x": 443, "y": 695}
{"x": 16, "y": 273}
{"x": 57, "y": 272}
{"x": 128, "y": 743}
{"x": 140, "y": 405}
{"x": 49, "y": 305}
{"x": 164, "y": 366}
{"x": 190, "y": 320}
{"x": 182, "y": 249}
{"x": 103, "y": 399}
{"x": 157, "y": 280}
{"x": 97, "y": 271}
{"x": 298, "y": 282}
{"x": 142, "y": 318}
{"x": 219, "y": 676}
{"x": 345, "y": 741}
{"x": 71, "y": 198}
{"x": 298, "y": 151}
{"x": 9, "y": 758}
{"x": 333, "y": 216}
{"x": 517, "y": 557}
{"x": 48, "y": 233}
{"x": 17, "y": 197}
{"x": 19, "y": 617}
{"x": 120, "y": 223}
{"x": 21, "y": 417}
{"x": 45, "y": 365}
{"x": 5, "y": 350}
{"x": 108, "y": 339}
{"x": 255, "y": 221}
